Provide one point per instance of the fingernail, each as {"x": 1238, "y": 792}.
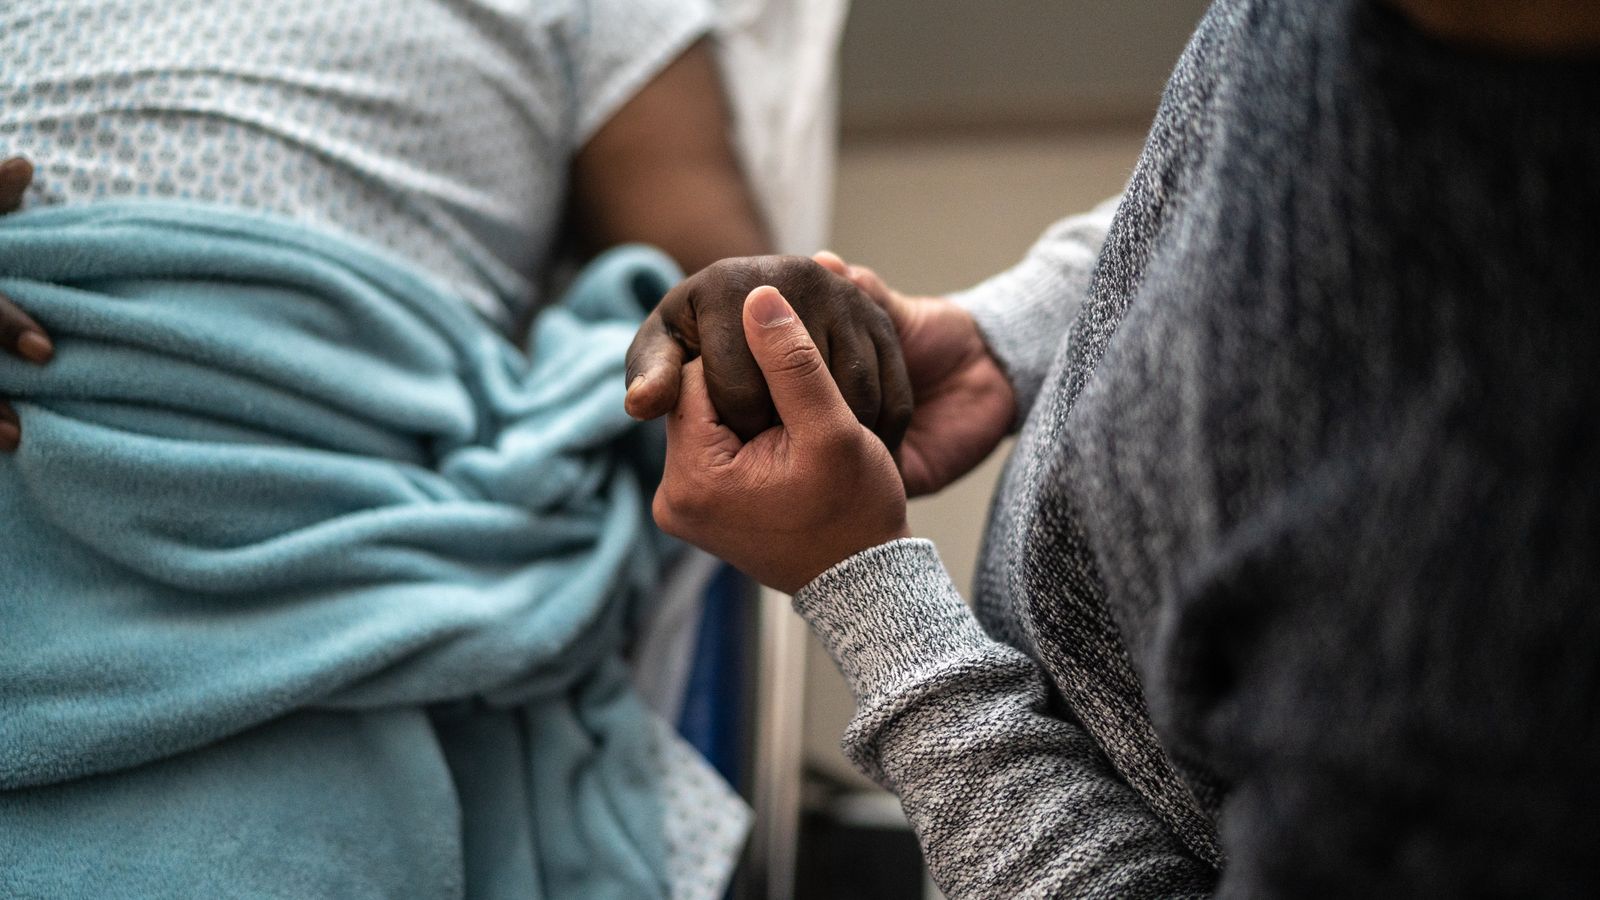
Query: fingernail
{"x": 10, "y": 436}
{"x": 768, "y": 307}
{"x": 36, "y": 347}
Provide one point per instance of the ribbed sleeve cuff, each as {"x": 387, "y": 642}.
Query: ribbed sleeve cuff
{"x": 889, "y": 615}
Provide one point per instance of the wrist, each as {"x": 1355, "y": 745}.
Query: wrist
{"x": 853, "y": 546}
{"x": 888, "y": 613}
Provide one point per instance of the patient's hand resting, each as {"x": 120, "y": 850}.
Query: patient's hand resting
{"x": 19, "y": 334}
{"x": 703, "y": 317}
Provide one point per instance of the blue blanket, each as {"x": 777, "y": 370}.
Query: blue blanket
{"x": 311, "y": 585}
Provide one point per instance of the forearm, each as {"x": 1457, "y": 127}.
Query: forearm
{"x": 1008, "y": 799}
{"x": 1024, "y": 313}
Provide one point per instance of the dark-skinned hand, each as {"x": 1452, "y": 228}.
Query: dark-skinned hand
{"x": 20, "y": 335}
{"x": 965, "y": 404}
{"x": 703, "y": 317}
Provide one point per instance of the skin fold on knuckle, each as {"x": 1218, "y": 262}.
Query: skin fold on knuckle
{"x": 661, "y": 511}
{"x": 856, "y": 378}
{"x": 717, "y": 459}
{"x": 684, "y": 508}
{"x": 682, "y": 497}
{"x": 838, "y": 449}
{"x": 796, "y": 357}
{"x": 722, "y": 286}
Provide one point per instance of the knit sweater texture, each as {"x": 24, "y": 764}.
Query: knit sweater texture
{"x": 1289, "y": 588}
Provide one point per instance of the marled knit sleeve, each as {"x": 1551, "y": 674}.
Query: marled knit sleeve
{"x": 1024, "y": 312}
{"x": 1007, "y": 798}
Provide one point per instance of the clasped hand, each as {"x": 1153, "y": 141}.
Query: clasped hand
{"x": 813, "y": 480}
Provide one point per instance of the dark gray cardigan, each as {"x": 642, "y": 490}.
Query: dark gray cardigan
{"x": 1291, "y": 585}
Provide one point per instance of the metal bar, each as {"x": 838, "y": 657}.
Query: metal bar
{"x": 777, "y": 764}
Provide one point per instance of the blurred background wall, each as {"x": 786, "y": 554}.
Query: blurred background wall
{"x": 938, "y": 65}
{"x": 967, "y": 128}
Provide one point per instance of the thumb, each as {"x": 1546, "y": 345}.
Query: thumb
{"x": 802, "y": 389}
{"x": 653, "y": 363}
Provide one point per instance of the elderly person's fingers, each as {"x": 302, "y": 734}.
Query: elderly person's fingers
{"x": 654, "y": 360}
{"x": 897, "y": 400}
{"x": 21, "y": 336}
{"x": 16, "y": 174}
{"x": 896, "y": 397}
{"x": 10, "y": 428}
{"x": 703, "y": 317}
{"x": 868, "y": 282}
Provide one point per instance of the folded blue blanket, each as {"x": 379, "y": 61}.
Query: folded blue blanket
{"x": 311, "y": 585}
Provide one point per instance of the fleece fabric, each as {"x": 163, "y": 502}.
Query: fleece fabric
{"x": 310, "y": 584}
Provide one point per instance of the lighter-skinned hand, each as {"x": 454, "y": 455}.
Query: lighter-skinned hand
{"x": 800, "y": 496}
{"x": 963, "y": 404}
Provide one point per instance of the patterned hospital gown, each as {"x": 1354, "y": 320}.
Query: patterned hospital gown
{"x": 440, "y": 129}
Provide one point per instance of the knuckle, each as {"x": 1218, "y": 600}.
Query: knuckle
{"x": 803, "y": 281}
{"x": 661, "y": 511}
{"x": 789, "y": 267}
{"x": 878, "y": 319}
{"x": 838, "y": 446}
{"x": 689, "y": 500}
{"x": 730, "y": 276}
{"x": 857, "y": 381}
{"x": 797, "y": 358}
{"x": 679, "y": 504}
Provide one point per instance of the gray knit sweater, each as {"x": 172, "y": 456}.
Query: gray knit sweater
{"x": 1290, "y": 588}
